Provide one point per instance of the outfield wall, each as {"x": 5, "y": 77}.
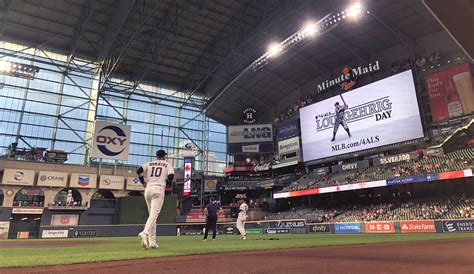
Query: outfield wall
{"x": 297, "y": 226}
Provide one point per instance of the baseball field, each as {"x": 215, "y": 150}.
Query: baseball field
{"x": 292, "y": 253}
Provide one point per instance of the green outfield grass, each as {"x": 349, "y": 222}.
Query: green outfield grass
{"x": 128, "y": 248}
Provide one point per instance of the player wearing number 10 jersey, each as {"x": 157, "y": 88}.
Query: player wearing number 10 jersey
{"x": 154, "y": 175}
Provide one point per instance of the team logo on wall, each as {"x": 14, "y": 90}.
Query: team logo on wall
{"x": 347, "y": 72}
{"x": 19, "y": 175}
{"x": 83, "y": 180}
{"x": 111, "y": 141}
{"x": 250, "y": 115}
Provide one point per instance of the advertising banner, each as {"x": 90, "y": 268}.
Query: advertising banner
{"x": 277, "y": 231}
{"x": 111, "y": 182}
{"x": 253, "y": 231}
{"x": 406, "y": 180}
{"x": 330, "y": 189}
{"x": 451, "y": 175}
{"x": 321, "y": 171}
{"x": 85, "y": 233}
{"x": 54, "y": 233}
{"x": 251, "y": 149}
{"x": 287, "y": 129}
{"x": 25, "y": 210}
{"x": 404, "y": 157}
{"x": 21, "y": 177}
{"x": 133, "y": 183}
{"x": 350, "y": 166}
{"x": 379, "y": 227}
{"x": 4, "y": 227}
{"x": 417, "y": 226}
{"x": 289, "y": 145}
{"x": 188, "y": 169}
{"x": 250, "y": 134}
{"x": 111, "y": 141}
{"x": 432, "y": 177}
{"x": 319, "y": 228}
{"x": 64, "y": 219}
{"x": 378, "y": 114}
{"x": 83, "y": 180}
{"x": 285, "y": 164}
{"x": 458, "y": 226}
{"x": 450, "y": 92}
{"x": 287, "y": 224}
{"x": 210, "y": 185}
{"x": 50, "y": 178}
{"x": 347, "y": 228}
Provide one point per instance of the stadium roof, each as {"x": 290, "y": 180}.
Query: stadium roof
{"x": 200, "y": 46}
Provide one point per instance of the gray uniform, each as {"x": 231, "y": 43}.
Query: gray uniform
{"x": 155, "y": 173}
{"x": 340, "y": 121}
{"x": 242, "y": 218}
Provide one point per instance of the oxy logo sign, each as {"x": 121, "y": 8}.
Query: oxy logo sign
{"x": 111, "y": 141}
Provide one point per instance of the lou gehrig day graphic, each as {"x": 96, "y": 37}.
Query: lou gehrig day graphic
{"x": 377, "y": 114}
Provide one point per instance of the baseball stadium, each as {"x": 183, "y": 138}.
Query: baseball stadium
{"x": 224, "y": 136}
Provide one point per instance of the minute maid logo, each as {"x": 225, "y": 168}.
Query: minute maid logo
{"x": 348, "y": 77}
{"x": 83, "y": 180}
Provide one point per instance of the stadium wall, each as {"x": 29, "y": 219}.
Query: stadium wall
{"x": 270, "y": 227}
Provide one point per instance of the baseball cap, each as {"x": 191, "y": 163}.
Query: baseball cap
{"x": 337, "y": 103}
{"x": 161, "y": 153}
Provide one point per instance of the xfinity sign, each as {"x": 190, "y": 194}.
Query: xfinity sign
{"x": 111, "y": 141}
{"x": 250, "y": 134}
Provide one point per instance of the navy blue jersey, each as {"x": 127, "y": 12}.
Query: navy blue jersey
{"x": 212, "y": 209}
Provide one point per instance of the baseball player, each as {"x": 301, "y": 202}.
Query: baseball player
{"x": 154, "y": 176}
{"x": 242, "y": 217}
{"x": 340, "y": 120}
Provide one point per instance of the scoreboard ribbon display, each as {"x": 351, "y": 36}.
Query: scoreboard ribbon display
{"x": 188, "y": 164}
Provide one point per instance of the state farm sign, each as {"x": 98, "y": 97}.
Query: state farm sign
{"x": 379, "y": 227}
{"x": 417, "y": 226}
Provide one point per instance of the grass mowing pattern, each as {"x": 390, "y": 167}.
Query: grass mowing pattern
{"x": 129, "y": 248}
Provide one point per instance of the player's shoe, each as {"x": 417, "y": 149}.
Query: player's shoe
{"x": 204, "y": 240}
{"x": 333, "y": 139}
{"x": 154, "y": 245}
{"x": 144, "y": 240}
{"x": 243, "y": 237}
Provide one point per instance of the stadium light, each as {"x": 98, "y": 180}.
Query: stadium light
{"x": 354, "y": 11}
{"x": 309, "y": 30}
{"x": 274, "y": 50}
{"x": 18, "y": 70}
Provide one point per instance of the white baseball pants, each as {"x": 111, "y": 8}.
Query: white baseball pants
{"x": 241, "y": 223}
{"x": 154, "y": 197}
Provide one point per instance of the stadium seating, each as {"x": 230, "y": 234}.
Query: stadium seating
{"x": 450, "y": 208}
{"x": 456, "y": 160}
